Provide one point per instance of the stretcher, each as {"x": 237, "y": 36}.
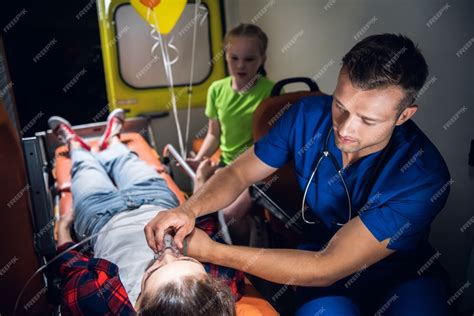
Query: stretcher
{"x": 139, "y": 138}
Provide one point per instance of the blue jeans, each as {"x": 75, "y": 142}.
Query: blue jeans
{"x": 112, "y": 181}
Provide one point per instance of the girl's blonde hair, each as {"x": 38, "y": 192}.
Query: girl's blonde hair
{"x": 249, "y": 30}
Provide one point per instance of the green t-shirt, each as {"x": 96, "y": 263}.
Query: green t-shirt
{"x": 234, "y": 112}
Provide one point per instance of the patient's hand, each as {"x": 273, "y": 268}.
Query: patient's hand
{"x": 177, "y": 219}
{"x": 65, "y": 221}
{"x": 199, "y": 245}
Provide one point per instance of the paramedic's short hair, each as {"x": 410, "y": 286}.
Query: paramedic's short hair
{"x": 250, "y": 30}
{"x": 382, "y": 60}
{"x": 190, "y": 296}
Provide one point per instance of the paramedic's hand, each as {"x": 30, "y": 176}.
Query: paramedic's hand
{"x": 177, "y": 219}
{"x": 199, "y": 245}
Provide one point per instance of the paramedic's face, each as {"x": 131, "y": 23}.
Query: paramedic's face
{"x": 170, "y": 268}
{"x": 363, "y": 120}
{"x": 243, "y": 58}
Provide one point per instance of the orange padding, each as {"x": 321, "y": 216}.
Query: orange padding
{"x": 251, "y": 304}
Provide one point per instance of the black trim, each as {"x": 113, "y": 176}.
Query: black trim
{"x": 154, "y": 115}
{"x": 313, "y": 86}
{"x": 41, "y": 204}
{"x": 264, "y": 200}
{"x": 160, "y": 87}
{"x": 471, "y": 154}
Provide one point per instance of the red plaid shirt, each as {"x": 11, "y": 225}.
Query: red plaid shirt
{"x": 91, "y": 286}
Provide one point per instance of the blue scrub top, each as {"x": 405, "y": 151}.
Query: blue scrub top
{"x": 410, "y": 190}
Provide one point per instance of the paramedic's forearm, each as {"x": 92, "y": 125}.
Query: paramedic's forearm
{"x": 227, "y": 184}
{"x": 220, "y": 191}
{"x": 283, "y": 266}
{"x": 353, "y": 248}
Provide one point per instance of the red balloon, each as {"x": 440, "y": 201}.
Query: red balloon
{"x": 150, "y": 3}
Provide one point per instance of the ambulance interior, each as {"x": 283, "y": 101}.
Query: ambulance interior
{"x": 82, "y": 60}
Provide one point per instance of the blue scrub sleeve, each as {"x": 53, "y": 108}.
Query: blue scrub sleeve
{"x": 406, "y": 218}
{"x": 276, "y": 148}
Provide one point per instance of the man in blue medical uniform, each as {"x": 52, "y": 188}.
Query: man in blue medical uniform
{"x": 374, "y": 182}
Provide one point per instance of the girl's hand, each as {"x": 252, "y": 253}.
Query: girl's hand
{"x": 194, "y": 162}
{"x": 206, "y": 169}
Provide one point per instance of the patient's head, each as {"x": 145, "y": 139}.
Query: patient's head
{"x": 178, "y": 285}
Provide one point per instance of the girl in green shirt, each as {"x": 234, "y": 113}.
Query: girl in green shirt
{"x": 231, "y": 101}
{"x": 230, "y": 105}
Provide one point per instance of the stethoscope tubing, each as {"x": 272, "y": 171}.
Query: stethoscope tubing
{"x": 327, "y": 153}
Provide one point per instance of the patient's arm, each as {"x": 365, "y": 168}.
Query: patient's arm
{"x": 64, "y": 228}
{"x": 95, "y": 282}
{"x": 220, "y": 191}
{"x": 90, "y": 286}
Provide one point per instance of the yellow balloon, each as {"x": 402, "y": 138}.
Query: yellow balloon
{"x": 164, "y": 13}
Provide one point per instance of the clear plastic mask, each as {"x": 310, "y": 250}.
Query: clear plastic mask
{"x": 168, "y": 244}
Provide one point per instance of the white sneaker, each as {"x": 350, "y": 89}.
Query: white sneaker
{"x": 63, "y": 131}
{"x": 115, "y": 122}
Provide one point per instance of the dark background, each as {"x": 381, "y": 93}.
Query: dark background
{"x": 38, "y": 86}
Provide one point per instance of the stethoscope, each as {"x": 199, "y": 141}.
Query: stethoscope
{"x": 327, "y": 153}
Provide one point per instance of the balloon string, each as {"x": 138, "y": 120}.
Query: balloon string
{"x": 169, "y": 75}
{"x": 191, "y": 79}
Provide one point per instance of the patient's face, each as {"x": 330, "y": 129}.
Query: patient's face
{"x": 170, "y": 268}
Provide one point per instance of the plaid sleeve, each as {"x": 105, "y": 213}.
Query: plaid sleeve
{"x": 90, "y": 286}
{"x": 234, "y": 279}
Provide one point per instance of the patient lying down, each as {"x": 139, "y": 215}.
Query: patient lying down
{"x": 114, "y": 195}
